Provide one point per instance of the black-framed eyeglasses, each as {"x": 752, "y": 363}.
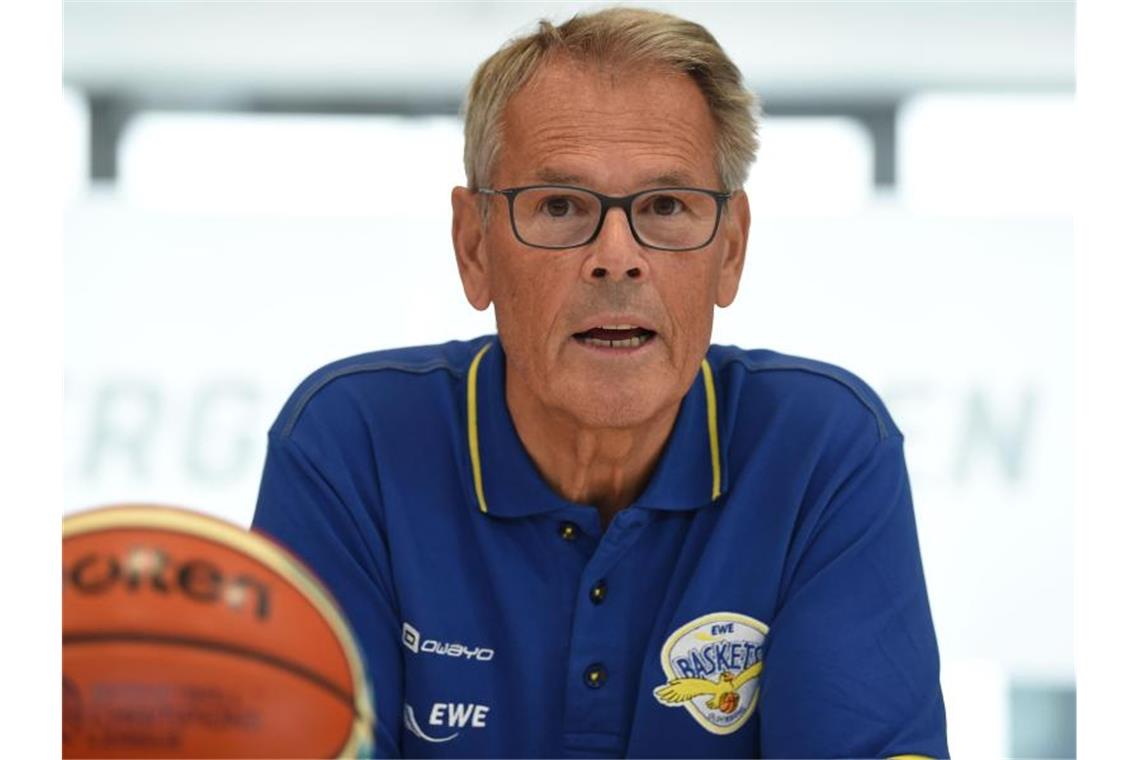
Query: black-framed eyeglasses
{"x": 565, "y": 216}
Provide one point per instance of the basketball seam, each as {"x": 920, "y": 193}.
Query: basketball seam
{"x": 105, "y": 637}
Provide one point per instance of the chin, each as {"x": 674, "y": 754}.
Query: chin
{"x": 624, "y": 409}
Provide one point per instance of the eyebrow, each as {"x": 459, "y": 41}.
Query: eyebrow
{"x": 546, "y": 174}
{"x": 665, "y": 179}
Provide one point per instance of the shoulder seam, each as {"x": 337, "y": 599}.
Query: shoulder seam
{"x": 883, "y": 434}
{"x": 303, "y": 402}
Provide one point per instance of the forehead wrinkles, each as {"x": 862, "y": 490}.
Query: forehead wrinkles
{"x": 583, "y": 128}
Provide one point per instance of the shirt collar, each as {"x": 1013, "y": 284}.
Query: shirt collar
{"x": 506, "y": 483}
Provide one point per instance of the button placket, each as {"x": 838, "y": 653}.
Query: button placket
{"x": 596, "y": 648}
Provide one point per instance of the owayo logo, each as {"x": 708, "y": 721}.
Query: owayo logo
{"x": 713, "y": 664}
{"x": 416, "y": 643}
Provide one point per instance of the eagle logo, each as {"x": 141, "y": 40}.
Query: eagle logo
{"x": 712, "y": 665}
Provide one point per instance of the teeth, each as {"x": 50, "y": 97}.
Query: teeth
{"x": 627, "y": 343}
{"x": 619, "y": 327}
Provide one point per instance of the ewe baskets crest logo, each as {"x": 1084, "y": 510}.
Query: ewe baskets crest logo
{"x": 712, "y": 665}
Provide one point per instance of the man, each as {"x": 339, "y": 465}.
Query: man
{"x": 593, "y": 534}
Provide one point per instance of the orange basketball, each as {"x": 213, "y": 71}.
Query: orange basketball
{"x": 186, "y": 636}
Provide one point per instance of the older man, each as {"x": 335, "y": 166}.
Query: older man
{"x": 594, "y": 534}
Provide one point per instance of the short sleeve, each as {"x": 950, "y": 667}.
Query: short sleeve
{"x": 852, "y": 664}
{"x": 317, "y": 514}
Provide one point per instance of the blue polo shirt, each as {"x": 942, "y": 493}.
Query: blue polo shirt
{"x": 764, "y": 596}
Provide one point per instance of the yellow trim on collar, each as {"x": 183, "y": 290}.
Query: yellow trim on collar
{"x": 714, "y": 442}
{"x": 473, "y": 428}
{"x": 910, "y": 757}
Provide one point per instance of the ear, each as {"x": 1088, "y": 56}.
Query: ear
{"x": 736, "y": 221}
{"x": 468, "y": 237}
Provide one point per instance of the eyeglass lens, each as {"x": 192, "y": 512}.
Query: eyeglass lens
{"x": 559, "y": 217}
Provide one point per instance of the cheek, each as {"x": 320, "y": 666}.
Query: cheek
{"x": 690, "y": 294}
{"x": 527, "y": 292}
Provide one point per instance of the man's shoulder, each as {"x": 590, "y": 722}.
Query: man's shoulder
{"x": 761, "y": 381}
{"x": 373, "y": 383}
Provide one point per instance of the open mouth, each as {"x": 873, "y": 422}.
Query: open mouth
{"x": 615, "y": 336}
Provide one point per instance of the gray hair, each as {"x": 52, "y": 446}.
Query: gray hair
{"x": 615, "y": 36}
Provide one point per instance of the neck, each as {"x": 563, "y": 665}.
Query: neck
{"x": 604, "y": 467}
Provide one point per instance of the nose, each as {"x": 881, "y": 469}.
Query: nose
{"x": 615, "y": 254}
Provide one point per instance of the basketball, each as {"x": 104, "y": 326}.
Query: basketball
{"x": 187, "y": 636}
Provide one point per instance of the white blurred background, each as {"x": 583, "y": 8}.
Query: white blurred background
{"x": 260, "y": 188}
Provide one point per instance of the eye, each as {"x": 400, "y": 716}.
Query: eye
{"x": 557, "y": 205}
{"x": 665, "y": 205}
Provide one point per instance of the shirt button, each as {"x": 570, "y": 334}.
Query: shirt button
{"x": 595, "y": 676}
{"x": 598, "y": 592}
{"x": 568, "y": 531}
